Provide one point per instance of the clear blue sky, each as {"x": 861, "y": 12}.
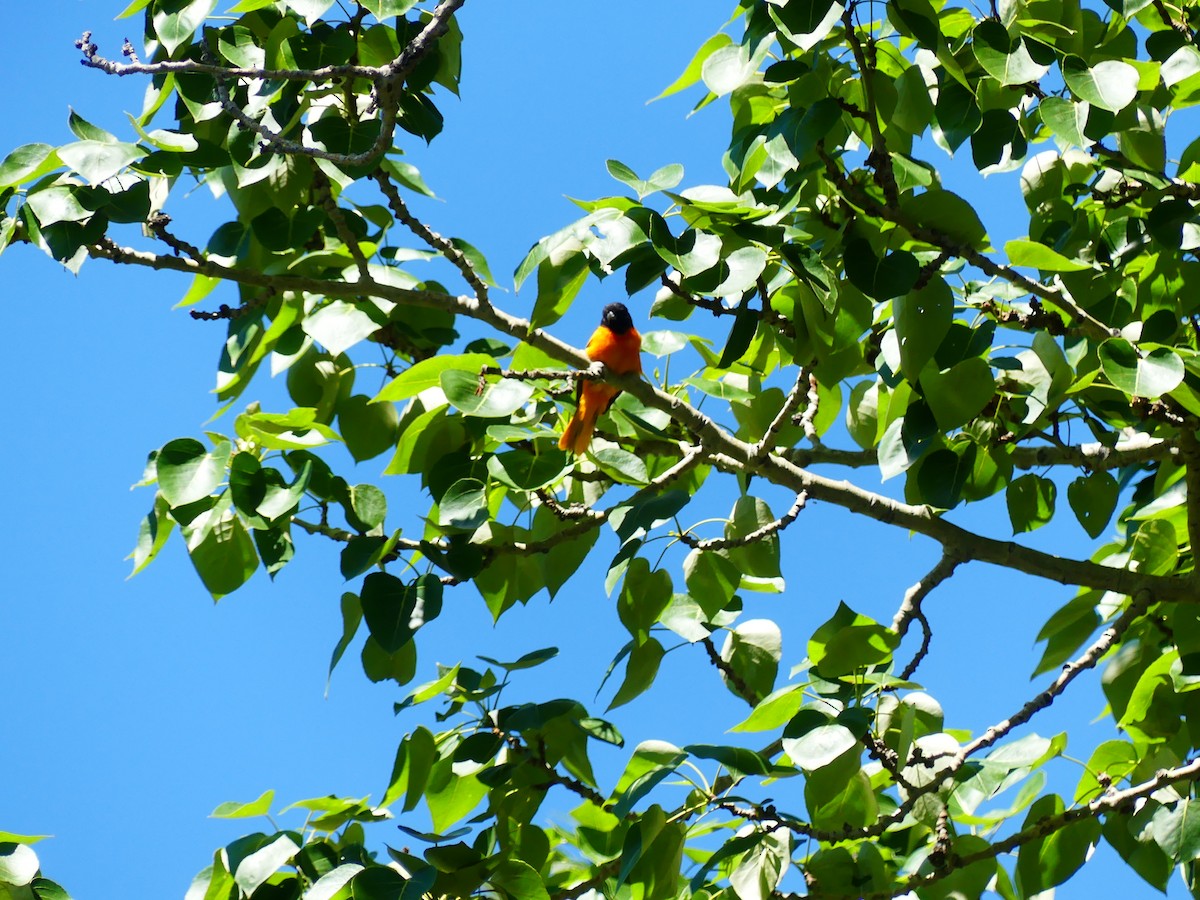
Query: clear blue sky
{"x": 134, "y": 707}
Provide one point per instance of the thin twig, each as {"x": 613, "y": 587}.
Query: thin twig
{"x": 324, "y": 193}
{"x": 750, "y": 537}
{"x": 1070, "y": 671}
{"x": 443, "y": 246}
{"x": 766, "y": 442}
{"x": 739, "y": 685}
{"x": 910, "y": 609}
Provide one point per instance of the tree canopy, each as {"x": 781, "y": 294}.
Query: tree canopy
{"x": 868, "y": 327}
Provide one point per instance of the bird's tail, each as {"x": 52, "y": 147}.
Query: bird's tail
{"x": 578, "y": 433}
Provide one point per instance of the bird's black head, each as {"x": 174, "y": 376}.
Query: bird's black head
{"x": 616, "y": 318}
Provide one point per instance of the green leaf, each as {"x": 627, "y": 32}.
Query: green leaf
{"x": 234, "y": 810}
{"x": 712, "y": 578}
{"x": 1111, "y": 84}
{"x": 652, "y": 761}
{"x": 1113, "y": 761}
{"x": 152, "y": 535}
{"x": 176, "y": 21}
{"x": 774, "y": 710}
{"x": 1066, "y": 118}
{"x": 922, "y": 320}
{"x": 427, "y": 374}
{"x": 691, "y": 253}
{"x": 849, "y": 642}
{"x": 759, "y": 872}
{"x": 1030, "y": 501}
{"x": 530, "y": 660}
{"x": 9, "y": 837}
{"x": 394, "y": 611}
{"x": 476, "y": 259}
{"x": 1155, "y": 547}
{"x": 640, "y": 669}
{"x": 351, "y": 618}
{"x": 367, "y": 428}
{"x": 1140, "y": 374}
{"x": 644, "y": 595}
{"x": 621, "y": 465}
{"x": 27, "y": 162}
{"x": 662, "y": 180}
{"x": 819, "y": 746}
{"x": 560, "y": 277}
{"x": 1048, "y": 861}
{"x": 376, "y": 883}
{"x": 753, "y": 650}
{"x": 727, "y": 68}
{"x": 1024, "y": 252}
{"x": 883, "y": 278}
{"x": 691, "y": 74}
{"x": 86, "y": 131}
{"x": 59, "y": 203}
{"x": 18, "y": 865}
{"x": 518, "y": 879}
{"x": 451, "y": 797}
{"x": 1176, "y": 829}
{"x": 487, "y": 399}
{"x": 338, "y": 325}
{"x": 97, "y": 161}
{"x": 738, "y": 760}
{"x": 187, "y": 472}
{"x": 1093, "y": 498}
{"x": 956, "y": 115}
{"x": 221, "y": 549}
{"x": 255, "y": 868}
{"x": 414, "y": 761}
{"x": 464, "y": 506}
{"x": 959, "y": 394}
{"x": 947, "y": 213}
{"x": 134, "y": 7}
{"x": 741, "y": 335}
{"x": 1004, "y": 57}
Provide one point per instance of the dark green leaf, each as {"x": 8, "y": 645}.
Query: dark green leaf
{"x": 1030, "y": 502}
{"x": 395, "y": 610}
{"x": 1093, "y": 497}
{"x": 464, "y": 506}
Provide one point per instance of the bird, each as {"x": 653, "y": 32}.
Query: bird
{"x": 617, "y": 344}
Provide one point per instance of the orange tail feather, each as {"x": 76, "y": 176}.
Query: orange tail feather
{"x": 594, "y": 399}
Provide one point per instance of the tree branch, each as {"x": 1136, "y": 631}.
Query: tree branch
{"x": 910, "y": 609}
{"x": 1070, "y": 671}
{"x": 716, "y": 443}
{"x": 456, "y": 257}
{"x": 790, "y": 403}
{"x": 749, "y": 538}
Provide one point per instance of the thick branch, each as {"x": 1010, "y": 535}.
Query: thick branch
{"x": 718, "y": 445}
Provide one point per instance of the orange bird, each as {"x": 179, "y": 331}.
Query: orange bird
{"x": 617, "y": 344}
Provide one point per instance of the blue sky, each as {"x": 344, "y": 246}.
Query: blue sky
{"x": 134, "y": 707}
